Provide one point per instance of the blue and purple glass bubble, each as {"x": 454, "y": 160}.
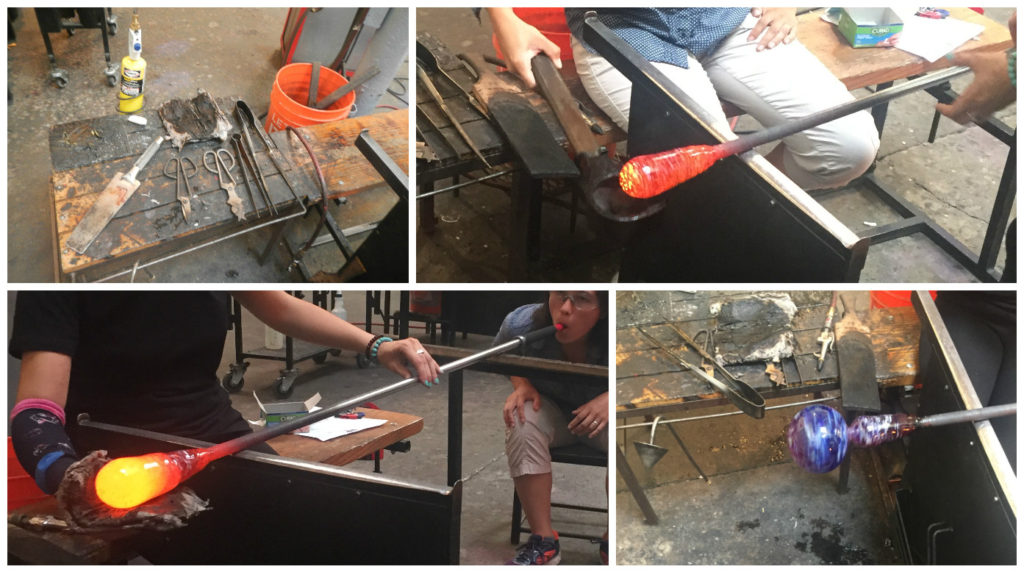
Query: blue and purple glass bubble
{"x": 818, "y": 435}
{"x": 817, "y": 438}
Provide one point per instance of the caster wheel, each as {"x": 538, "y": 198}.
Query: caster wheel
{"x": 60, "y": 82}
{"x": 281, "y": 391}
{"x": 362, "y": 361}
{"x": 111, "y": 80}
{"x": 320, "y": 358}
{"x": 112, "y": 28}
{"x": 232, "y": 382}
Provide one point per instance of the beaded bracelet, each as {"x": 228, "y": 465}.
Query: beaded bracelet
{"x": 1011, "y": 61}
{"x": 376, "y": 345}
{"x": 370, "y": 343}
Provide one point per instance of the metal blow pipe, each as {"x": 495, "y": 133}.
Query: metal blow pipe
{"x": 127, "y": 482}
{"x": 647, "y": 176}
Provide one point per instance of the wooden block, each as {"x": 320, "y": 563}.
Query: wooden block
{"x": 344, "y": 450}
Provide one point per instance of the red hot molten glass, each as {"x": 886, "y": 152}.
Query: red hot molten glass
{"x": 648, "y": 176}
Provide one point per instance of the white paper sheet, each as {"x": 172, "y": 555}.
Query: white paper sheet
{"x": 931, "y": 39}
{"x": 333, "y": 427}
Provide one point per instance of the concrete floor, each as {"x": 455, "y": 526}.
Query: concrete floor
{"x": 757, "y": 506}
{"x": 487, "y": 492}
{"x": 228, "y": 52}
{"x": 953, "y": 180}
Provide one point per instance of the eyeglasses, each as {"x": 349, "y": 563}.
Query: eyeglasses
{"x": 582, "y": 301}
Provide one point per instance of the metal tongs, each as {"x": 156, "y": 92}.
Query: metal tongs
{"x": 744, "y": 397}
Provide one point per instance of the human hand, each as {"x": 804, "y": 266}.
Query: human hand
{"x": 520, "y": 42}
{"x": 990, "y": 91}
{"x": 591, "y": 417}
{"x": 524, "y": 391}
{"x": 398, "y": 355}
{"x": 774, "y": 26}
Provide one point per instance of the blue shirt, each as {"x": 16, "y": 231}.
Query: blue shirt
{"x": 664, "y": 34}
{"x": 566, "y": 396}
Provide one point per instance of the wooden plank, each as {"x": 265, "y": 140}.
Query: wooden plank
{"x": 344, "y": 450}
{"x": 896, "y": 334}
{"x": 862, "y": 67}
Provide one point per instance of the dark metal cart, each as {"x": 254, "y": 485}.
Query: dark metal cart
{"x": 293, "y": 352}
{"x": 56, "y": 20}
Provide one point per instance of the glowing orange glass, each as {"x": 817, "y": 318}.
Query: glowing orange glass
{"x": 648, "y": 176}
{"x": 128, "y": 482}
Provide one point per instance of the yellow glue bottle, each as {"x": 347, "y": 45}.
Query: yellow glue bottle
{"x": 133, "y": 70}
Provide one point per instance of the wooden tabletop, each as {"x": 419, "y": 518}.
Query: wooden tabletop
{"x": 647, "y": 377}
{"x": 84, "y": 163}
{"x": 862, "y": 67}
{"x": 344, "y": 450}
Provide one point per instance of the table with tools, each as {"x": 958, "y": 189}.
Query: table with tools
{"x": 670, "y": 343}
{"x": 178, "y": 200}
{"x": 480, "y": 118}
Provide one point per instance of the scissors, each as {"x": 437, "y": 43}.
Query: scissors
{"x": 181, "y": 175}
{"x": 227, "y": 182}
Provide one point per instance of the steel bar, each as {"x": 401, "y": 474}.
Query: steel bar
{"x": 776, "y": 132}
{"x": 466, "y": 184}
{"x": 246, "y": 441}
{"x": 966, "y": 415}
{"x": 716, "y": 415}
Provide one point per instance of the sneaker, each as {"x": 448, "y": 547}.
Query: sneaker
{"x": 538, "y": 550}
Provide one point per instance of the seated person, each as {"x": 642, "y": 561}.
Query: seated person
{"x": 748, "y": 57}
{"x": 540, "y": 413}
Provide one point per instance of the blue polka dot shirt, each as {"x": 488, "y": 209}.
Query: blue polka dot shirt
{"x": 664, "y": 34}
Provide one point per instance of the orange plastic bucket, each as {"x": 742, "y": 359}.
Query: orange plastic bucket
{"x": 892, "y": 298}
{"x": 290, "y": 94}
{"x": 548, "y": 21}
{"x": 21, "y": 488}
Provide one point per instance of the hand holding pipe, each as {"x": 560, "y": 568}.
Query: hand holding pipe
{"x": 818, "y": 435}
{"x": 127, "y": 482}
{"x": 648, "y": 176}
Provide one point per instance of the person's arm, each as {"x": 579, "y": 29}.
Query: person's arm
{"x": 300, "y": 319}
{"x": 522, "y": 391}
{"x": 37, "y": 419}
{"x": 519, "y": 42}
{"x": 591, "y": 417}
{"x": 993, "y": 87}
{"x": 774, "y": 26}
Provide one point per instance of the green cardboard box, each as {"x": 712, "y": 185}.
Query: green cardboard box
{"x": 280, "y": 411}
{"x": 869, "y": 27}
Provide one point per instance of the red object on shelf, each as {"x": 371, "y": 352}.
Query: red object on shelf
{"x": 550, "y": 22}
{"x": 21, "y": 487}
{"x": 893, "y": 298}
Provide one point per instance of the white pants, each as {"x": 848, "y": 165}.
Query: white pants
{"x": 527, "y": 445}
{"x": 785, "y": 82}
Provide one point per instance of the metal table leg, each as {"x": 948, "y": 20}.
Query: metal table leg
{"x": 634, "y": 487}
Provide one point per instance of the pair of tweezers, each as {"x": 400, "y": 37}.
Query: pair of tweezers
{"x": 744, "y": 397}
